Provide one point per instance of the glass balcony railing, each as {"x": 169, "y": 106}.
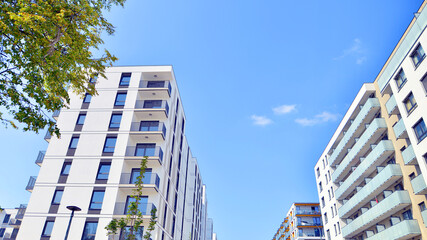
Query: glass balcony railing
{"x": 419, "y": 185}
{"x": 387, "y": 207}
{"x": 154, "y": 105}
{"x": 157, "y": 152}
{"x": 378, "y": 125}
{"x": 47, "y": 136}
{"x": 424, "y": 215}
{"x": 389, "y": 174}
{"x": 55, "y": 114}
{"x": 31, "y": 183}
{"x": 149, "y": 178}
{"x": 145, "y": 208}
{"x": 154, "y": 127}
{"x": 308, "y": 212}
{"x": 156, "y": 85}
{"x": 370, "y": 105}
{"x": 40, "y": 157}
{"x": 399, "y": 129}
{"x": 391, "y": 105}
{"x": 409, "y": 155}
{"x": 406, "y": 229}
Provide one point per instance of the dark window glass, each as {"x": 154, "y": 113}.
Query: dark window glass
{"x": 407, "y": 215}
{"x": 96, "y": 201}
{"x": 125, "y": 79}
{"x": 90, "y": 231}
{"x": 2, "y": 232}
{"x": 81, "y": 119}
{"x": 126, "y": 231}
{"x": 420, "y": 130}
{"x": 422, "y": 206}
{"x": 6, "y": 218}
{"x": 103, "y": 171}
{"x": 145, "y": 149}
{"x": 153, "y": 104}
{"x": 73, "y": 143}
{"x": 115, "y": 120}
{"x": 410, "y": 103}
{"x": 110, "y": 144}
{"x": 120, "y": 99}
{"x": 317, "y": 232}
{"x": 149, "y": 126}
{"x": 87, "y": 98}
{"x": 57, "y": 197}
{"x": 400, "y": 79}
{"x": 143, "y": 204}
{"x": 66, "y": 169}
{"x": 418, "y": 55}
{"x": 47, "y": 230}
{"x": 398, "y": 187}
{"x": 156, "y": 84}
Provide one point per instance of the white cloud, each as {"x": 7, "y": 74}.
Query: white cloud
{"x": 319, "y": 118}
{"x": 356, "y": 50}
{"x": 284, "y": 109}
{"x": 261, "y": 120}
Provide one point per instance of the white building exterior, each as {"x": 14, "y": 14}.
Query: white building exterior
{"x": 94, "y": 164}
{"x": 10, "y": 222}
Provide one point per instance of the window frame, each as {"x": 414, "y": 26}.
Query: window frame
{"x": 398, "y": 77}
{"x": 85, "y": 234}
{"x": 416, "y": 52}
{"x": 123, "y": 76}
{"x": 111, "y": 120}
{"x": 411, "y": 99}
{"x": 2, "y": 231}
{"x": 102, "y": 174}
{"x": 92, "y": 200}
{"x": 45, "y": 227}
{"x": 120, "y": 103}
{"x": 424, "y": 134}
{"x": 64, "y": 166}
{"x": 73, "y": 139}
{"x": 6, "y": 218}
{"x": 109, "y": 147}
{"x": 55, "y": 196}
{"x": 79, "y": 119}
{"x": 87, "y": 98}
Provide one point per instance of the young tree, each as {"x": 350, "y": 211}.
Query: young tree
{"x": 134, "y": 218}
{"x": 45, "y": 49}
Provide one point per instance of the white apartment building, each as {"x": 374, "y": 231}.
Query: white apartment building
{"x": 371, "y": 177}
{"x": 137, "y": 112}
{"x": 10, "y": 221}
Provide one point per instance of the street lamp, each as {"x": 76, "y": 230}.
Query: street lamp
{"x": 72, "y": 209}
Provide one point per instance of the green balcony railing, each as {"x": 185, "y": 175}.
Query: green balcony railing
{"x": 409, "y": 155}
{"x": 391, "y": 105}
{"x": 371, "y": 104}
{"x": 403, "y": 230}
{"x": 376, "y": 125}
{"x": 381, "y": 181}
{"x": 419, "y": 185}
{"x": 387, "y": 207}
{"x": 399, "y": 129}
{"x": 366, "y": 167}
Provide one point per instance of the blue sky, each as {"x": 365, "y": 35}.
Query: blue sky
{"x": 264, "y": 85}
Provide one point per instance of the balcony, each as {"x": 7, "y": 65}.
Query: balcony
{"x": 21, "y": 211}
{"x": 424, "y": 215}
{"x": 152, "y": 109}
{"x": 31, "y": 183}
{"x": 145, "y": 208}
{"x": 15, "y": 223}
{"x": 155, "y": 89}
{"x": 47, "y": 136}
{"x": 391, "y": 106}
{"x": 307, "y": 212}
{"x": 419, "y": 185}
{"x": 150, "y": 181}
{"x": 155, "y": 156}
{"x": 380, "y": 153}
{"x": 373, "y": 131}
{"x": 55, "y": 114}
{"x": 379, "y": 183}
{"x": 400, "y": 130}
{"x": 366, "y": 113}
{"x": 407, "y": 229}
{"x": 40, "y": 158}
{"x": 387, "y": 207}
{"x": 156, "y": 132}
{"x": 409, "y": 156}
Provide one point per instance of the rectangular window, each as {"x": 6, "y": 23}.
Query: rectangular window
{"x": 90, "y": 231}
{"x": 317, "y": 232}
{"x": 400, "y": 79}
{"x": 142, "y": 207}
{"x": 420, "y": 130}
{"x": 300, "y": 232}
{"x": 57, "y": 197}
{"x": 110, "y": 144}
{"x": 96, "y": 201}
{"x": 136, "y": 172}
{"x": 323, "y": 201}
{"x": 115, "y": 120}
{"x": 120, "y": 99}
{"x": 6, "y": 218}
{"x": 47, "y": 230}
{"x": 103, "y": 171}
{"x": 73, "y": 143}
{"x": 81, "y": 119}
{"x": 2, "y": 232}
{"x": 422, "y": 206}
{"x": 93, "y": 79}
{"x": 87, "y": 98}
{"x": 155, "y": 84}
{"x": 418, "y": 55}
{"x": 424, "y": 83}
{"x": 407, "y": 215}
{"x": 339, "y": 228}
{"x": 318, "y": 172}
{"x": 66, "y": 169}
{"x": 145, "y": 149}
{"x": 149, "y": 126}
{"x": 410, "y": 103}
{"x": 125, "y": 79}
{"x": 153, "y": 104}
{"x": 332, "y": 191}
{"x": 328, "y": 234}
{"x": 124, "y": 234}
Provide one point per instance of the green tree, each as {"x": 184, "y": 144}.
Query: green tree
{"x": 134, "y": 218}
{"x": 46, "y": 49}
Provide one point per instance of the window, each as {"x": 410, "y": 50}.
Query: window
{"x": 317, "y": 232}
{"x": 339, "y": 228}
{"x": 145, "y": 149}
{"x": 329, "y": 194}
{"x": 424, "y": 82}
{"x": 318, "y": 172}
{"x": 73, "y": 143}
{"x": 155, "y": 84}
{"x": 47, "y": 230}
{"x": 87, "y": 98}
{"x": 323, "y": 160}
{"x": 2, "y": 232}
{"x": 300, "y": 232}
{"x": 81, "y": 119}
{"x": 326, "y": 179}
{"x": 398, "y": 187}
{"x": 400, "y": 79}
{"x": 66, "y": 168}
{"x": 316, "y": 221}
{"x": 407, "y": 215}
{"x": 323, "y": 201}
{"x": 142, "y": 207}
{"x": 110, "y": 144}
{"x": 325, "y": 217}
{"x": 329, "y": 175}
{"x": 96, "y": 201}
{"x": 103, "y": 171}
{"x": 332, "y": 191}
{"x": 422, "y": 206}
{"x": 136, "y": 172}
{"x": 152, "y": 103}
{"x": 57, "y": 197}
{"x": 149, "y": 126}
{"x": 126, "y": 231}
{"x": 335, "y": 207}
{"x": 412, "y": 176}
{"x": 410, "y": 103}
{"x": 320, "y": 187}
{"x": 6, "y": 218}
{"x": 115, "y": 120}
{"x": 328, "y": 234}
{"x": 332, "y": 211}
{"x": 90, "y": 231}
{"x": 125, "y": 79}
{"x": 93, "y": 79}
{"x": 418, "y": 55}
{"x": 335, "y": 227}
{"x": 420, "y": 130}
{"x": 120, "y": 99}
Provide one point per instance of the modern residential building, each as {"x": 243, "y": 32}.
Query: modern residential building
{"x": 10, "y": 222}
{"x": 209, "y": 229}
{"x": 302, "y": 222}
{"x": 371, "y": 177}
{"x": 94, "y": 165}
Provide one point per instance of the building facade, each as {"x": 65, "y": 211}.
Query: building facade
{"x": 302, "y": 222}
{"x": 10, "y": 222}
{"x": 94, "y": 165}
{"x": 371, "y": 176}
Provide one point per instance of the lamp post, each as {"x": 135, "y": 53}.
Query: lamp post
{"x": 72, "y": 209}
